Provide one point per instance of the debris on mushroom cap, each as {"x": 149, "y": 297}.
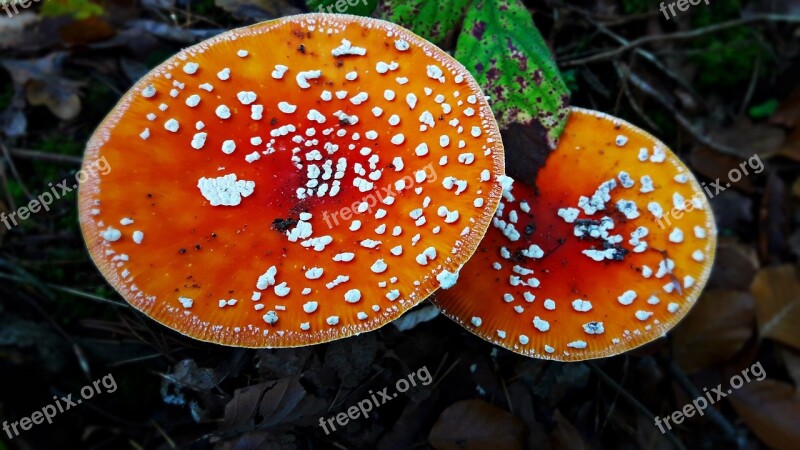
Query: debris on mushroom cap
{"x": 293, "y": 182}
{"x": 595, "y": 262}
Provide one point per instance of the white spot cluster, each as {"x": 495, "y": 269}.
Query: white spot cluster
{"x": 225, "y": 190}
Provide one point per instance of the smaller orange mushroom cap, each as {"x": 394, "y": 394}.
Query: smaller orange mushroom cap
{"x": 606, "y": 254}
{"x": 293, "y": 182}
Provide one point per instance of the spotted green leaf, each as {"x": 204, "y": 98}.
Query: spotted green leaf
{"x": 435, "y": 20}
{"x": 500, "y": 45}
{"x": 355, "y": 7}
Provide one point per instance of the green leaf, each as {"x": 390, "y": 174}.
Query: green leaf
{"x": 78, "y": 9}
{"x": 355, "y": 7}
{"x": 763, "y": 110}
{"x": 436, "y": 21}
{"x": 500, "y": 45}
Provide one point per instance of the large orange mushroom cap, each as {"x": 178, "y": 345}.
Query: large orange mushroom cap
{"x": 293, "y": 182}
{"x": 606, "y": 254}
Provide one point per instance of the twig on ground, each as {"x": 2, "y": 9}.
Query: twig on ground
{"x": 647, "y": 55}
{"x": 713, "y": 414}
{"x": 63, "y": 289}
{"x": 750, "y": 87}
{"x": 697, "y": 134}
{"x": 44, "y": 156}
{"x": 610, "y": 54}
{"x": 14, "y": 171}
{"x": 634, "y": 104}
{"x": 632, "y": 400}
{"x": 9, "y": 198}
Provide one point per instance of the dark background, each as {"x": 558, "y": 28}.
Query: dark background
{"x": 719, "y": 84}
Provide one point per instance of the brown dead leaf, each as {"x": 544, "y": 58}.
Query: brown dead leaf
{"x": 770, "y": 409}
{"x": 777, "y": 293}
{"x": 286, "y": 402}
{"x": 791, "y": 360}
{"x": 788, "y": 112}
{"x": 714, "y": 330}
{"x": 63, "y": 103}
{"x": 749, "y": 138}
{"x": 794, "y": 243}
{"x": 565, "y": 436}
{"x": 241, "y": 410}
{"x": 43, "y": 84}
{"x": 796, "y": 188}
{"x": 649, "y": 437}
{"x": 13, "y": 30}
{"x": 733, "y": 212}
{"x": 791, "y": 146}
{"x": 739, "y": 265}
{"x": 86, "y": 31}
{"x": 283, "y": 401}
{"x": 773, "y": 230}
{"x": 476, "y": 425}
{"x": 716, "y": 167}
{"x": 522, "y": 404}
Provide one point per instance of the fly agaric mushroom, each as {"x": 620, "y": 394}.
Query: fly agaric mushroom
{"x": 606, "y": 254}
{"x": 293, "y": 182}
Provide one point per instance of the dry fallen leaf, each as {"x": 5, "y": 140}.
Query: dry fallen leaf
{"x": 43, "y": 84}
{"x": 649, "y": 437}
{"x": 794, "y": 243}
{"x": 13, "y": 30}
{"x": 272, "y": 403}
{"x": 714, "y": 330}
{"x": 737, "y": 268}
{"x": 791, "y": 146}
{"x": 774, "y": 225}
{"x": 86, "y": 31}
{"x": 777, "y": 293}
{"x": 791, "y": 360}
{"x": 750, "y": 139}
{"x": 771, "y": 410}
{"x": 476, "y": 425}
{"x": 716, "y": 167}
{"x": 788, "y": 112}
{"x": 565, "y": 436}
